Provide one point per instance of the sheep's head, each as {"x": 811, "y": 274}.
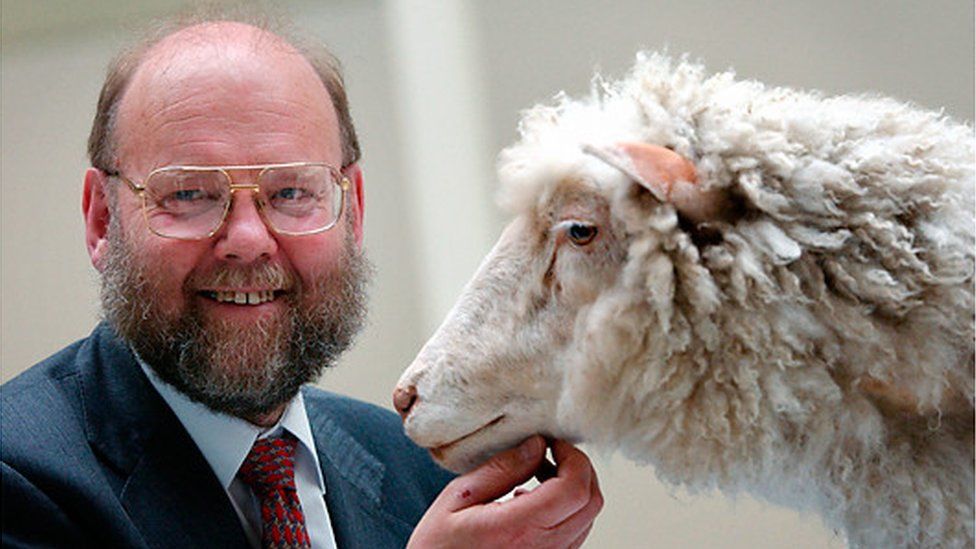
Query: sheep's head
{"x": 507, "y": 361}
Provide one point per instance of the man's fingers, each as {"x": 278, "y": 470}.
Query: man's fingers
{"x": 578, "y": 542}
{"x": 559, "y": 498}
{"x": 557, "y": 513}
{"x": 578, "y": 525}
{"x": 569, "y": 459}
{"x": 546, "y": 471}
{"x": 494, "y": 478}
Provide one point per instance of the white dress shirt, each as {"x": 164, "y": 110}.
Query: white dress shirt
{"x": 226, "y": 440}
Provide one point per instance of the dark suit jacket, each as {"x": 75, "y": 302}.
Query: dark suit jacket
{"x": 92, "y": 456}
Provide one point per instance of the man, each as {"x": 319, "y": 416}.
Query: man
{"x": 224, "y": 212}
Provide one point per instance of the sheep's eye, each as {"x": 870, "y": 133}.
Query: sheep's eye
{"x": 581, "y": 234}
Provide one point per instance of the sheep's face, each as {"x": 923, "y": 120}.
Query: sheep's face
{"x": 494, "y": 372}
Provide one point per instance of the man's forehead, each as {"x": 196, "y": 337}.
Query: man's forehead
{"x": 217, "y": 69}
{"x": 218, "y": 41}
{"x": 219, "y": 46}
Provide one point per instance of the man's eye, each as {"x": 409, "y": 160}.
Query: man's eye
{"x": 187, "y": 201}
{"x": 186, "y": 195}
{"x": 291, "y": 193}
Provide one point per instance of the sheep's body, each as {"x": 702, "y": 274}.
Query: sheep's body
{"x": 816, "y": 349}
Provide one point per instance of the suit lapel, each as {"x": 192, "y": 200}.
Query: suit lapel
{"x": 174, "y": 497}
{"x": 354, "y": 483}
{"x": 167, "y": 487}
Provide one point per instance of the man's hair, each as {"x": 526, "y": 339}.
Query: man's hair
{"x": 102, "y": 142}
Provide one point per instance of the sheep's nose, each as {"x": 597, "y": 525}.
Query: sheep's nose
{"x": 403, "y": 399}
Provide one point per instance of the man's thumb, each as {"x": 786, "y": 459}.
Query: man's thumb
{"x": 497, "y": 476}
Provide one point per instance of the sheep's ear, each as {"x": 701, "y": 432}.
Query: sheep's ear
{"x": 667, "y": 175}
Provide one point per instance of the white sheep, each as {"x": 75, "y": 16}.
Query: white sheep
{"x": 798, "y": 323}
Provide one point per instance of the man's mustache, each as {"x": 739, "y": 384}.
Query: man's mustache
{"x": 267, "y": 275}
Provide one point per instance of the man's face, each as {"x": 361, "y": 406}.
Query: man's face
{"x": 231, "y": 102}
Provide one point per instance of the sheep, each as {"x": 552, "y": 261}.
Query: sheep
{"x": 750, "y": 288}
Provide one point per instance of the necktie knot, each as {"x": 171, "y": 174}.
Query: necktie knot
{"x": 270, "y": 465}
{"x": 269, "y": 470}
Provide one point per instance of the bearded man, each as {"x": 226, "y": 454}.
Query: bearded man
{"x": 224, "y": 211}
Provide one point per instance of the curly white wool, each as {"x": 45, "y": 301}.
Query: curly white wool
{"x": 744, "y": 362}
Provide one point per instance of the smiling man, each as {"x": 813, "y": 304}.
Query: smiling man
{"x": 224, "y": 211}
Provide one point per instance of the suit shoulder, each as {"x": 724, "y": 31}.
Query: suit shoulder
{"x": 42, "y": 421}
{"x": 410, "y": 479}
{"x": 55, "y": 367}
{"x": 44, "y": 399}
{"x": 342, "y": 407}
{"x": 378, "y": 430}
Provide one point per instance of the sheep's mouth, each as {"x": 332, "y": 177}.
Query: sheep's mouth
{"x": 438, "y": 451}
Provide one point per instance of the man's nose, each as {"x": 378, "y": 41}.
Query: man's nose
{"x": 245, "y": 237}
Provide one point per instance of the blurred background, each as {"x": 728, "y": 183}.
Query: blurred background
{"x": 436, "y": 88}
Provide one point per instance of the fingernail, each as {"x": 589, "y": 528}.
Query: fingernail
{"x": 529, "y": 448}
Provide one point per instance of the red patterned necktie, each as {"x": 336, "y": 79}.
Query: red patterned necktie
{"x": 270, "y": 472}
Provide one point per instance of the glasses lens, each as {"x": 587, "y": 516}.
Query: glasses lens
{"x": 186, "y": 203}
{"x": 301, "y": 199}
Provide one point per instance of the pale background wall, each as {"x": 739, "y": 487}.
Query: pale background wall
{"x": 436, "y": 88}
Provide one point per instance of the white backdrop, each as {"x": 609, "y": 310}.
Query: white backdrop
{"x": 436, "y": 87}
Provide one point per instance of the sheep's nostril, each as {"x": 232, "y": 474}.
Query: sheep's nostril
{"x": 403, "y": 399}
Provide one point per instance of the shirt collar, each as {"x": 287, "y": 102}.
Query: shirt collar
{"x": 225, "y": 440}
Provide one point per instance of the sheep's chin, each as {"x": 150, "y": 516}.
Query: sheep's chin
{"x": 468, "y": 454}
{"x": 477, "y": 447}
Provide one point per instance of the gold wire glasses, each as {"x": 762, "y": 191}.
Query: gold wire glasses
{"x": 191, "y": 202}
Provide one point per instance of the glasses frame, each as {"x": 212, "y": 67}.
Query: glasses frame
{"x": 338, "y": 177}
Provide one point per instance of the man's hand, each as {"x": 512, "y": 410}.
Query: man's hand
{"x": 557, "y": 513}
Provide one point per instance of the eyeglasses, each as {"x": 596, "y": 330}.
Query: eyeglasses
{"x": 191, "y": 202}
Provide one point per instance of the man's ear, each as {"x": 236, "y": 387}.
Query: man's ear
{"x": 357, "y": 200}
{"x": 96, "y": 211}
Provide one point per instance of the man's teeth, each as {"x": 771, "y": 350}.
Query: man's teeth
{"x": 244, "y": 298}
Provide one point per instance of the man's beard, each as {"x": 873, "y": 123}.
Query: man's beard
{"x": 246, "y": 370}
